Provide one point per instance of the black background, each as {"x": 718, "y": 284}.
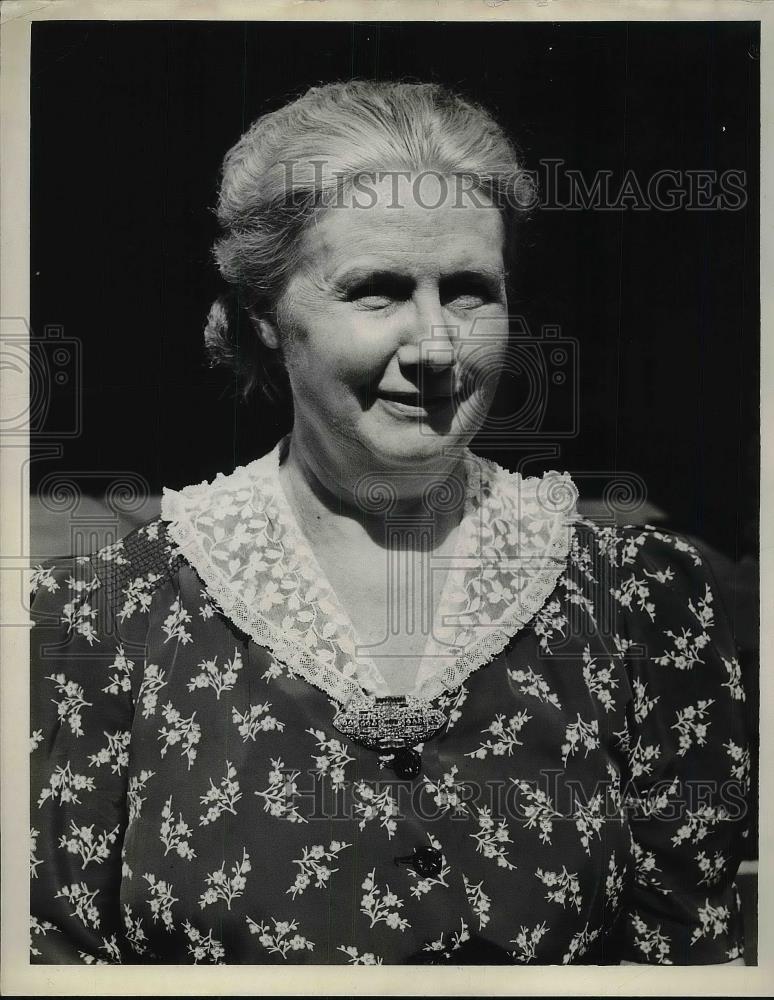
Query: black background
{"x": 130, "y": 122}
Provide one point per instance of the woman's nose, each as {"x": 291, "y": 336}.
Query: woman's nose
{"x": 428, "y": 339}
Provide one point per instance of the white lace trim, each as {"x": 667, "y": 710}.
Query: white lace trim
{"x": 239, "y": 534}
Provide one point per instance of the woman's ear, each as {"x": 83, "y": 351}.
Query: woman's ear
{"x": 266, "y": 330}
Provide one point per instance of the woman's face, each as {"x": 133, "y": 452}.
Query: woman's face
{"x": 396, "y": 324}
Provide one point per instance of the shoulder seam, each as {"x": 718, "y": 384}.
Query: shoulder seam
{"x": 133, "y": 568}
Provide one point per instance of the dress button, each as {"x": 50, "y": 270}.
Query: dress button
{"x": 406, "y": 763}
{"x": 425, "y": 861}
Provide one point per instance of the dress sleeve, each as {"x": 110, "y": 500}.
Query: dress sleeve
{"x": 81, "y": 712}
{"x": 688, "y": 756}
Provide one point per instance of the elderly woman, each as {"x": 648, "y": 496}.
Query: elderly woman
{"x": 373, "y": 698}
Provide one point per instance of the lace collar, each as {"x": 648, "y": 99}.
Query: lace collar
{"x": 241, "y": 536}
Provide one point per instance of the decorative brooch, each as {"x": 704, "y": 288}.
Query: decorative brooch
{"x": 388, "y": 724}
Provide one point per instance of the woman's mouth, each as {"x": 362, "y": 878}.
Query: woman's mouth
{"x": 415, "y": 403}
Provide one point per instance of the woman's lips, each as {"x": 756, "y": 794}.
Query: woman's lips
{"x": 411, "y": 403}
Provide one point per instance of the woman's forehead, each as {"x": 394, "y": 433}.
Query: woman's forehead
{"x": 415, "y": 234}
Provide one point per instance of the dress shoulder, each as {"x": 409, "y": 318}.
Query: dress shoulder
{"x": 120, "y": 577}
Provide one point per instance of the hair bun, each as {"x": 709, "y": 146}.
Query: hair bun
{"x": 217, "y": 338}
{"x": 230, "y": 341}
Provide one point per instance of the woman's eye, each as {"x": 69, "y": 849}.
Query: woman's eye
{"x": 469, "y": 292}
{"x": 377, "y": 294}
{"x": 468, "y": 298}
{"x": 373, "y": 301}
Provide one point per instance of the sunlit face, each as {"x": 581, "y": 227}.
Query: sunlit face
{"x": 397, "y": 323}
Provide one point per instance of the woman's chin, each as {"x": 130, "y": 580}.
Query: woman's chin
{"x": 419, "y": 442}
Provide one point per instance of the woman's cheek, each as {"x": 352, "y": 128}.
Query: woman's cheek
{"x": 328, "y": 350}
{"x": 481, "y": 359}
{"x": 365, "y": 352}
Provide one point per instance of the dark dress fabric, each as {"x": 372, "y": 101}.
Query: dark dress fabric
{"x": 193, "y": 803}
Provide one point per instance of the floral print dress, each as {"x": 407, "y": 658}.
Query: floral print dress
{"x": 584, "y": 800}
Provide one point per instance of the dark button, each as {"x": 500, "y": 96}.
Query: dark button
{"x": 425, "y": 861}
{"x": 406, "y": 763}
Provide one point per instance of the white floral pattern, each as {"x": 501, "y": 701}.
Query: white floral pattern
{"x": 692, "y": 724}
{"x": 35, "y": 862}
{"x": 448, "y": 794}
{"x": 221, "y": 798}
{"x": 78, "y": 614}
{"x": 600, "y": 680}
{"x": 278, "y": 797}
{"x": 227, "y": 888}
{"x": 64, "y": 785}
{"x": 71, "y": 703}
{"x": 255, "y": 720}
{"x": 315, "y": 864}
{"x": 740, "y": 763}
{"x": 539, "y": 811}
{"x": 203, "y": 948}
{"x": 136, "y": 786}
{"x": 381, "y": 905}
{"x": 276, "y": 940}
{"x": 563, "y": 887}
{"x": 184, "y": 732}
{"x": 175, "y": 749}
{"x": 491, "y": 837}
{"x": 219, "y": 678}
{"x": 116, "y": 753}
{"x": 121, "y": 678}
{"x": 81, "y": 900}
{"x": 371, "y": 804}
{"x": 713, "y": 919}
{"x": 333, "y": 760}
{"x": 367, "y": 958}
{"x": 579, "y": 734}
{"x": 135, "y": 934}
{"x": 480, "y": 903}
{"x": 152, "y": 683}
{"x": 88, "y": 845}
{"x": 505, "y": 736}
{"x": 175, "y": 835}
{"x": 458, "y": 938}
{"x": 527, "y": 941}
{"x": 161, "y": 900}
{"x": 530, "y": 682}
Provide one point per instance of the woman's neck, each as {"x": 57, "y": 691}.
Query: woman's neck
{"x": 350, "y": 502}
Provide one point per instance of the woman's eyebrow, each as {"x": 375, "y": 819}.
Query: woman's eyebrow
{"x": 380, "y": 272}
{"x": 362, "y": 273}
{"x": 491, "y": 274}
